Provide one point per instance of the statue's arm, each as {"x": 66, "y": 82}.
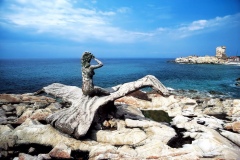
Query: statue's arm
{"x": 100, "y": 64}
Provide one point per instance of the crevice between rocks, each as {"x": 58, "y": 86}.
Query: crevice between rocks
{"x": 31, "y": 149}
{"x": 178, "y": 141}
{"x": 36, "y": 149}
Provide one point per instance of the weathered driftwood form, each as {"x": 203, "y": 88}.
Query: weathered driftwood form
{"x": 77, "y": 119}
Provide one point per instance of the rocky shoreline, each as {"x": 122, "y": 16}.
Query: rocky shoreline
{"x": 201, "y": 128}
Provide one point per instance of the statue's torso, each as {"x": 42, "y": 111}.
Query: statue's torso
{"x": 87, "y": 80}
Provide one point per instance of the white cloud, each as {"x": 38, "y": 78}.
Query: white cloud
{"x": 197, "y": 25}
{"x": 203, "y": 26}
{"x": 124, "y": 10}
{"x": 60, "y": 17}
{"x": 63, "y": 18}
{"x": 161, "y": 29}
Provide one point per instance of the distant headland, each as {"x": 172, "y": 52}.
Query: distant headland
{"x": 220, "y": 58}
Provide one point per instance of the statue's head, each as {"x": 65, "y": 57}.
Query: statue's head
{"x": 86, "y": 59}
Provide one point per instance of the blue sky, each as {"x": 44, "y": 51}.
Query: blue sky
{"x": 123, "y": 28}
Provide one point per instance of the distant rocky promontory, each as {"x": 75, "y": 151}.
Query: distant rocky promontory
{"x": 219, "y": 58}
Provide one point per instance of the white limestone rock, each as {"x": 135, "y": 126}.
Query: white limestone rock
{"x": 208, "y": 142}
{"x": 200, "y": 60}
{"x": 234, "y": 137}
{"x": 210, "y": 121}
{"x": 120, "y": 137}
{"x": 60, "y": 151}
{"x": 141, "y": 123}
{"x": 235, "y": 126}
{"x": 32, "y": 131}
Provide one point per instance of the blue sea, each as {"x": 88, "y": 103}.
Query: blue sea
{"x": 31, "y": 75}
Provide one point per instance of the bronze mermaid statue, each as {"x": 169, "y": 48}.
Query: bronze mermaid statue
{"x": 88, "y": 87}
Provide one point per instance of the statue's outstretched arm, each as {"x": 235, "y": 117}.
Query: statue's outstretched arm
{"x": 100, "y": 64}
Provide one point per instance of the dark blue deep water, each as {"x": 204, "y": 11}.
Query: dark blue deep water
{"x": 24, "y": 76}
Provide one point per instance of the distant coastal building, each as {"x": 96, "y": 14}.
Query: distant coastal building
{"x": 234, "y": 59}
{"x": 221, "y": 52}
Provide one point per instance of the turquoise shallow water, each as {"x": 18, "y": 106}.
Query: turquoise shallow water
{"x": 22, "y": 76}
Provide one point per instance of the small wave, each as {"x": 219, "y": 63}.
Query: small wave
{"x": 233, "y": 63}
{"x": 234, "y": 86}
{"x": 170, "y": 89}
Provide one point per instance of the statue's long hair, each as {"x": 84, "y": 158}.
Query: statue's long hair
{"x": 86, "y": 59}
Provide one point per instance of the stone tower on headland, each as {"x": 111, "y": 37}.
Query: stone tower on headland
{"x": 221, "y": 52}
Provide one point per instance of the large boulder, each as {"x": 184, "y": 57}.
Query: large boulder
{"x": 120, "y": 137}
{"x": 208, "y": 142}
